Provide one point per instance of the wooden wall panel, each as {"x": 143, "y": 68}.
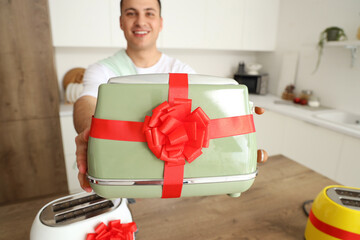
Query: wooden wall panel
{"x": 31, "y": 152}
{"x": 29, "y": 88}
{"x": 31, "y": 165}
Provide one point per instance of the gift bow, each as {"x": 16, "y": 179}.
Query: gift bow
{"x": 114, "y": 231}
{"x": 175, "y": 134}
{"x": 169, "y": 140}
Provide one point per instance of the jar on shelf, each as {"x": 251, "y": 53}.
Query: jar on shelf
{"x": 306, "y": 94}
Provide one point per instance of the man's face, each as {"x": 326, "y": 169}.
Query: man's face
{"x": 141, "y": 22}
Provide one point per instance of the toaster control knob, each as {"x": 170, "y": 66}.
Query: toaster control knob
{"x": 262, "y": 156}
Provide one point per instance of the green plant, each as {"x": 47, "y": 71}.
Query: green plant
{"x": 329, "y": 34}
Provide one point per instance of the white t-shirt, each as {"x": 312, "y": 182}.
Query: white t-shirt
{"x": 98, "y": 73}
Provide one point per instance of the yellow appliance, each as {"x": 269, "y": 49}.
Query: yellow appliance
{"x": 335, "y": 214}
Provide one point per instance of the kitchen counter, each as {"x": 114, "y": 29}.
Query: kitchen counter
{"x": 66, "y": 109}
{"x": 305, "y": 113}
{"x": 271, "y": 209}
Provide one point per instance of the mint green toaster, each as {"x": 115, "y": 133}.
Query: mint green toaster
{"x": 172, "y": 135}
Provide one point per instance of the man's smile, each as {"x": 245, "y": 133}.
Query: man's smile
{"x": 140, "y": 33}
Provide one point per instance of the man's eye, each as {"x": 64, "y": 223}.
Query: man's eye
{"x": 130, "y": 14}
{"x": 150, "y": 14}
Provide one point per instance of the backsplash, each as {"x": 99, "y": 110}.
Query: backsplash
{"x": 336, "y": 83}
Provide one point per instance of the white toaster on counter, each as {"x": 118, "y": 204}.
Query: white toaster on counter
{"x": 73, "y": 217}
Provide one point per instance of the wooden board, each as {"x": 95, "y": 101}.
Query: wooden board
{"x": 31, "y": 164}
{"x": 270, "y": 210}
{"x": 29, "y": 87}
{"x": 31, "y": 152}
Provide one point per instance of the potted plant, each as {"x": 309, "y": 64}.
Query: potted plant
{"x": 329, "y": 34}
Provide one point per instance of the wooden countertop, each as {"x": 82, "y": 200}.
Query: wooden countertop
{"x": 271, "y": 209}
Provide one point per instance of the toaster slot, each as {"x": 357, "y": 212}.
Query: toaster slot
{"x": 348, "y": 193}
{"x": 78, "y": 212}
{"x": 350, "y": 202}
{"x": 76, "y": 208}
{"x": 71, "y": 203}
{"x": 346, "y": 197}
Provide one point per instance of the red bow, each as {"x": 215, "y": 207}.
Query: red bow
{"x": 115, "y": 231}
{"x": 174, "y": 133}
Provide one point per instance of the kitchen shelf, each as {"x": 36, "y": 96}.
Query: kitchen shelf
{"x": 352, "y": 45}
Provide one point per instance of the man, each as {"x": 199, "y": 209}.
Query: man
{"x": 141, "y": 23}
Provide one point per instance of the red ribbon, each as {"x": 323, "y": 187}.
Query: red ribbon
{"x": 331, "y": 230}
{"x": 174, "y": 133}
{"x": 115, "y": 231}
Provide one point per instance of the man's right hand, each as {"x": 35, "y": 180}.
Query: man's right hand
{"x": 81, "y": 158}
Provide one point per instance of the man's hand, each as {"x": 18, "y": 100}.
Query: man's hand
{"x": 81, "y": 158}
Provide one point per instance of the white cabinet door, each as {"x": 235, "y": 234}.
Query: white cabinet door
{"x": 200, "y": 24}
{"x": 312, "y": 146}
{"x": 224, "y": 24}
{"x": 68, "y": 136}
{"x": 80, "y": 22}
{"x": 260, "y": 25}
{"x": 348, "y": 169}
{"x": 184, "y": 24}
{"x": 217, "y": 24}
{"x": 270, "y": 132}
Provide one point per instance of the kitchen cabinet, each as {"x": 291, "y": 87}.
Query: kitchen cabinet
{"x": 183, "y": 26}
{"x": 84, "y": 23}
{"x": 211, "y": 24}
{"x": 327, "y": 152}
{"x": 68, "y": 137}
{"x": 260, "y": 25}
{"x": 202, "y": 24}
{"x": 315, "y": 147}
{"x": 349, "y": 164}
{"x": 269, "y": 132}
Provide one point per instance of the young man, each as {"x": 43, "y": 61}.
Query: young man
{"x": 141, "y": 23}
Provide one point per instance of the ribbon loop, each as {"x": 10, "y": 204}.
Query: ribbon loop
{"x": 180, "y": 130}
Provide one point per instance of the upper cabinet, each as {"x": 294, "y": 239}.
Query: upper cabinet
{"x": 86, "y": 23}
{"x": 201, "y": 24}
{"x": 260, "y": 25}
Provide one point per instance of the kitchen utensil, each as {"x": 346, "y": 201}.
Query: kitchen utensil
{"x": 73, "y": 216}
{"x": 126, "y": 168}
{"x": 335, "y": 214}
{"x": 253, "y": 68}
{"x": 74, "y": 75}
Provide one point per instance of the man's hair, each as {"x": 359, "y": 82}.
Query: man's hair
{"x": 159, "y": 2}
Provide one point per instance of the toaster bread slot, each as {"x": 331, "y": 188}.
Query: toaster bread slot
{"x": 71, "y": 203}
{"x": 348, "y": 193}
{"x": 345, "y": 197}
{"x": 350, "y": 202}
{"x": 76, "y": 208}
{"x": 82, "y": 211}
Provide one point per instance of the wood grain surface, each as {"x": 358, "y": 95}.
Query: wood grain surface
{"x": 31, "y": 152}
{"x": 270, "y": 210}
{"x": 29, "y": 87}
{"x": 31, "y": 163}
